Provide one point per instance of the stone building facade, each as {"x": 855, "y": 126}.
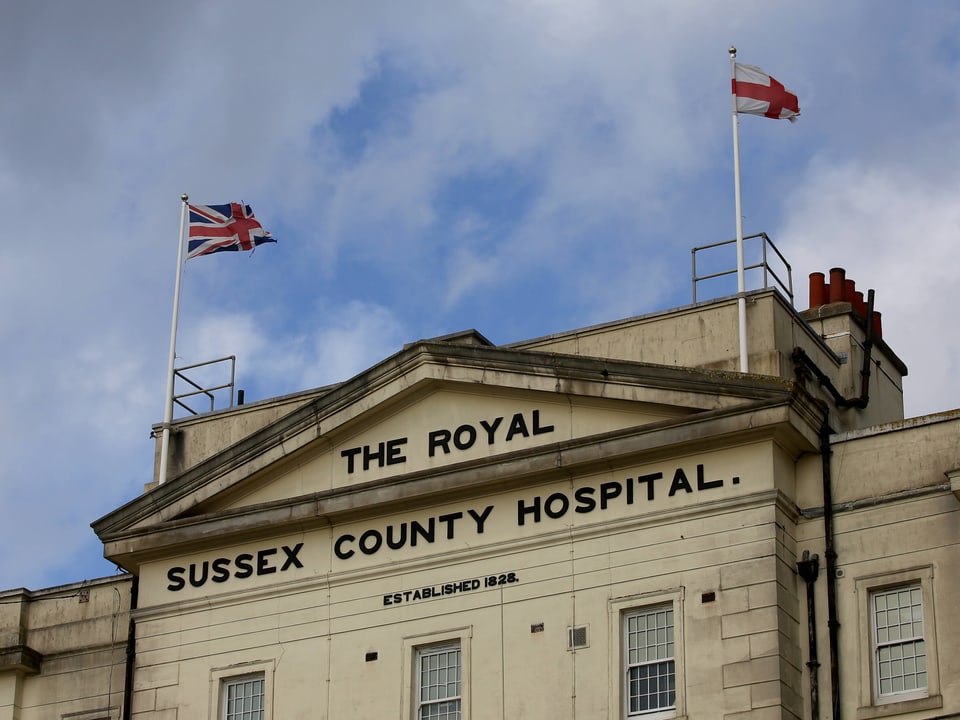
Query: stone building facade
{"x": 611, "y": 522}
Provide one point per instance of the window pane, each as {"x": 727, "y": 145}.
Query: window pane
{"x": 648, "y": 652}
{"x": 442, "y": 711}
{"x": 439, "y": 684}
{"x": 652, "y": 687}
{"x": 899, "y": 651}
{"x": 243, "y": 699}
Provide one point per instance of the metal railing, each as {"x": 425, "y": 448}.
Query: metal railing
{"x": 764, "y": 264}
{"x": 199, "y": 389}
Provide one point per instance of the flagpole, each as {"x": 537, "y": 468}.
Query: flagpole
{"x": 741, "y": 282}
{"x": 168, "y": 409}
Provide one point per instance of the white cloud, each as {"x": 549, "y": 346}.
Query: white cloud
{"x": 359, "y": 335}
{"x": 894, "y": 229}
{"x": 525, "y": 167}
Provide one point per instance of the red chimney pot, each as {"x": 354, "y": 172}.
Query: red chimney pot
{"x": 859, "y": 305}
{"x": 837, "y": 278}
{"x": 849, "y": 291}
{"x": 818, "y": 289}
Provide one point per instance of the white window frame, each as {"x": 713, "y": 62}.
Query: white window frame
{"x": 240, "y": 681}
{"x": 621, "y": 610}
{"x": 426, "y": 653}
{"x": 222, "y": 677}
{"x": 893, "y": 639}
{"x": 873, "y": 702}
{"x": 414, "y": 646}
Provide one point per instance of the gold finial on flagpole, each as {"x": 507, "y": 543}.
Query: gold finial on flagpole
{"x": 733, "y": 51}
{"x": 184, "y": 197}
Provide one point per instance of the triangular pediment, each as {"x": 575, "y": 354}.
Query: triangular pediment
{"x": 442, "y": 424}
{"x": 427, "y": 411}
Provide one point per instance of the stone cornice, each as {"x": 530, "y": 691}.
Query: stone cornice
{"x": 420, "y": 363}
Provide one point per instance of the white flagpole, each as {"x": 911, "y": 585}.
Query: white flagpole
{"x": 741, "y": 283}
{"x": 168, "y": 409}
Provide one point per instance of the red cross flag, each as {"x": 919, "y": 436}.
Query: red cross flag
{"x": 759, "y": 94}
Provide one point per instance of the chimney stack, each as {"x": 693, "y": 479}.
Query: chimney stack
{"x": 840, "y": 289}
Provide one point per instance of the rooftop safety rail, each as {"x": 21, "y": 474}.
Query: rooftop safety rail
{"x": 208, "y": 391}
{"x": 770, "y": 273}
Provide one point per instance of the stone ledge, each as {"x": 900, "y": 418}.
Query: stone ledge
{"x": 20, "y": 658}
{"x": 869, "y": 712}
{"x": 954, "y": 476}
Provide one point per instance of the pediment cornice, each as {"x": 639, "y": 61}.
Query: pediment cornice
{"x": 418, "y": 369}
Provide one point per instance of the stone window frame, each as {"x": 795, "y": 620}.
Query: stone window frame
{"x": 618, "y": 610}
{"x": 107, "y": 713}
{"x": 872, "y": 704}
{"x": 413, "y": 644}
{"x": 220, "y": 676}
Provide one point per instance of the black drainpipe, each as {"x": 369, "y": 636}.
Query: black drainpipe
{"x": 804, "y": 363}
{"x": 131, "y": 649}
{"x": 833, "y": 625}
{"x": 800, "y": 357}
{"x": 809, "y": 568}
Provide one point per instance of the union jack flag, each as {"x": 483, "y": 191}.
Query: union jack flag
{"x": 219, "y": 228}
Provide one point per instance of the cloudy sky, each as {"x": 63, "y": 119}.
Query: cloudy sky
{"x": 516, "y": 166}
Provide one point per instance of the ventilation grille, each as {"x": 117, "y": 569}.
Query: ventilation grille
{"x": 577, "y": 637}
